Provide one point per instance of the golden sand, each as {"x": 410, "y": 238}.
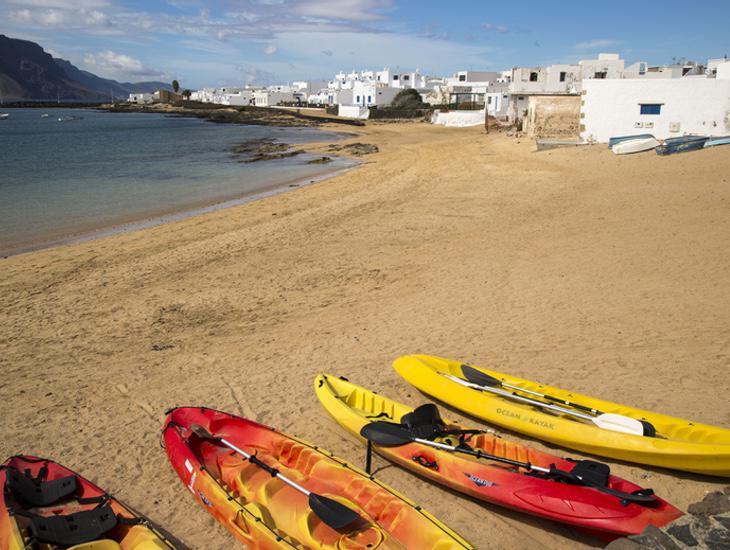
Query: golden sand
{"x": 601, "y": 274}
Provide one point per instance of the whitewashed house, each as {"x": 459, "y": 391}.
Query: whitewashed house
{"x": 661, "y": 107}
{"x": 141, "y": 98}
{"x": 373, "y": 94}
{"x": 272, "y": 98}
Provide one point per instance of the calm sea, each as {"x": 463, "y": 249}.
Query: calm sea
{"x": 61, "y": 180}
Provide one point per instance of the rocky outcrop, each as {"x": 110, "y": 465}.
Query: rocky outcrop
{"x": 706, "y": 526}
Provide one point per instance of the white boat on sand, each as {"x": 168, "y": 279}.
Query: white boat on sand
{"x": 635, "y": 146}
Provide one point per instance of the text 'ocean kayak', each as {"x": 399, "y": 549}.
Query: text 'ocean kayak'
{"x": 288, "y": 493}
{"x": 611, "y": 507}
{"x": 570, "y": 419}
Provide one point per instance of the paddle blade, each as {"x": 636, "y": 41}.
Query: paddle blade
{"x": 619, "y": 423}
{"x": 201, "y": 432}
{"x": 386, "y": 434}
{"x": 476, "y": 376}
{"x": 331, "y": 512}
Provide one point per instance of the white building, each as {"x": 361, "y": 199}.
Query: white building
{"x": 661, "y": 107}
{"x": 141, "y": 98}
{"x": 271, "y": 98}
{"x": 373, "y": 94}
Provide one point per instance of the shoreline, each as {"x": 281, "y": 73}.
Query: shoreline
{"x": 165, "y": 217}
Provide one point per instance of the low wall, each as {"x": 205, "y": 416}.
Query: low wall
{"x": 459, "y": 119}
{"x": 353, "y": 111}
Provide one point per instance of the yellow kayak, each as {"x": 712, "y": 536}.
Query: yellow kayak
{"x": 670, "y": 443}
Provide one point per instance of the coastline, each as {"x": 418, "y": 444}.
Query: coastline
{"x": 168, "y": 216}
{"x": 268, "y": 185}
{"x": 606, "y": 275}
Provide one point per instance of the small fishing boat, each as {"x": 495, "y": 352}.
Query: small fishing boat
{"x": 3, "y": 116}
{"x": 713, "y": 142}
{"x": 634, "y": 146}
{"x": 45, "y": 115}
{"x": 69, "y": 118}
{"x": 681, "y": 145}
{"x": 614, "y": 140}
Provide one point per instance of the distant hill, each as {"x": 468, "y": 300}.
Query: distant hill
{"x": 28, "y": 72}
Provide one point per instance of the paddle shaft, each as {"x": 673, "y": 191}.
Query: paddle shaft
{"x": 480, "y": 454}
{"x": 266, "y": 467}
{"x": 551, "y": 398}
{"x": 519, "y": 398}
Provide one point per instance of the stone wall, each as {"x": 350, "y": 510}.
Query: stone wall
{"x": 553, "y": 116}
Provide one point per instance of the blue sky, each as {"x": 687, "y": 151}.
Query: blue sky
{"x": 209, "y": 43}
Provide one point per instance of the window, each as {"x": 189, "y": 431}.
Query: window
{"x": 533, "y": 77}
{"x": 562, "y": 76}
{"x": 462, "y": 78}
{"x": 489, "y": 100}
{"x": 650, "y": 108}
{"x": 601, "y": 74}
{"x": 395, "y": 77}
{"x": 370, "y": 99}
{"x": 406, "y": 77}
{"x": 378, "y": 77}
{"x": 357, "y": 99}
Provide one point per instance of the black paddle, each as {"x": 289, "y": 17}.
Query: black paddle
{"x": 330, "y": 511}
{"x": 388, "y": 434}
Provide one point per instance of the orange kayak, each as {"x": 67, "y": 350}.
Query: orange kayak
{"x": 264, "y": 512}
{"x": 46, "y": 506}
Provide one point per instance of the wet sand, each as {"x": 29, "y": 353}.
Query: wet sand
{"x": 606, "y": 275}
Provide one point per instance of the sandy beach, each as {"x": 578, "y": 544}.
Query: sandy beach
{"x": 584, "y": 270}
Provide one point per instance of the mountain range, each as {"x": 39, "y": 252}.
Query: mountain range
{"x": 27, "y": 72}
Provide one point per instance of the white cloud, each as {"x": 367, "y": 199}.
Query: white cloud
{"x": 55, "y": 17}
{"x": 116, "y": 65}
{"x": 596, "y": 44}
{"x": 60, "y": 4}
{"x": 270, "y": 49}
{"x": 344, "y": 10}
{"x": 492, "y": 27}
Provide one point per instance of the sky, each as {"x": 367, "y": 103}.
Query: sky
{"x": 233, "y": 42}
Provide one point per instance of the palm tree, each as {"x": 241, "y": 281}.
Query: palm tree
{"x": 175, "y": 86}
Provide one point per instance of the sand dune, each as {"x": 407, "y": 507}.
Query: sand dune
{"x": 606, "y": 275}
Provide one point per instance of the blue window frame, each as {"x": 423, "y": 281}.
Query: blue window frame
{"x": 651, "y": 108}
{"x": 370, "y": 99}
{"x": 357, "y": 99}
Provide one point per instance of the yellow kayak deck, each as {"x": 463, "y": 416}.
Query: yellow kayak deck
{"x": 680, "y": 444}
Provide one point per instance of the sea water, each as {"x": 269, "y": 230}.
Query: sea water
{"x": 101, "y": 171}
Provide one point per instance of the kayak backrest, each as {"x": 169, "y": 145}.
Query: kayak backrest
{"x": 424, "y": 422}
{"x": 35, "y": 492}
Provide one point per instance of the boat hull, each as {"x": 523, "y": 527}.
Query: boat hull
{"x": 263, "y": 512}
{"x": 683, "y": 445}
{"x": 631, "y": 146}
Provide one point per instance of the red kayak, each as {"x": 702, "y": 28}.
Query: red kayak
{"x": 582, "y": 494}
{"x": 274, "y": 491}
{"x": 46, "y": 506}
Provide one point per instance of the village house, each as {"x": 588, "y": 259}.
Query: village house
{"x": 141, "y": 98}
{"x": 665, "y": 108}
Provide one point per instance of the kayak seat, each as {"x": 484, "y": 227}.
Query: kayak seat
{"x": 35, "y": 492}
{"x": 72, "y": 529}
{"x": 424, "y": 422}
